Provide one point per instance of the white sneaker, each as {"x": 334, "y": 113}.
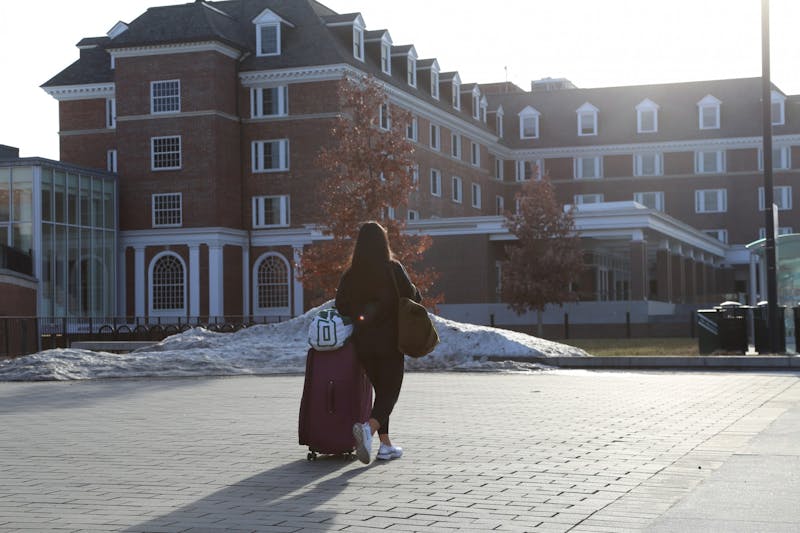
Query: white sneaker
{"x": 389, "y": 452}
{"x": 363, "y": 435}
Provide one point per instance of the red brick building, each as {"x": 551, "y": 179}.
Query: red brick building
{"x": 212, "y": 114}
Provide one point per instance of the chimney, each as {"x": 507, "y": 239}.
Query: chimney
{"x": 9, "y": 152}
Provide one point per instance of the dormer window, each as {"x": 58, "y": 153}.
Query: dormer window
{"x": 412, "y": 71}
{"x": 457, "y": 92}
{"x": 476, "y": 103}
{"x": 435, "y": 81}
{"x": 587, "y": 119}
{"x": 484, "y": 109}
{"x": 708, "y": 113}
{"x": 778, "y": 109}
{"x": 386, "y": 57}
{"x": 499, "y": 122}
{"x": 647, "y": 116}
{"x": 529, "y": 123}
{"x": 268, "y": 33}
{"x": 358, "y": 42}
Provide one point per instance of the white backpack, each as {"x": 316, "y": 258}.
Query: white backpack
{"x": 329, "y": 330}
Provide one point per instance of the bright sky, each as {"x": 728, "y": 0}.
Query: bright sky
{"x": 593, "y": 43}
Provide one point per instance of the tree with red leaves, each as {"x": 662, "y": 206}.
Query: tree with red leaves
{"x": 369, "y": 175}
{"x": 546, "y": 258}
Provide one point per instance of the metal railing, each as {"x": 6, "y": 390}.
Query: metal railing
{"x": 22, "y": 335}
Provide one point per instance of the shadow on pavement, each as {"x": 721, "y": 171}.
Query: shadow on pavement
{"x": 292, "y": 492}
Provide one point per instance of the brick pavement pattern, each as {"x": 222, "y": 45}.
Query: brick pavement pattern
{"x": 547, "y": 451}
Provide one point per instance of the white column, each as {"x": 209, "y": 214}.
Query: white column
{"x": 298, "y": 287}
{"x": 215, "y": 281}
{"x": 122, "y": 309}
{"x": 139, "y": 287}
{"x": 194, "y": 281}
{"x": 246, "y": 280}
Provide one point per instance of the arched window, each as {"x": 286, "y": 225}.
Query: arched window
{"x": 167, "y": 286}
{"x": 272, "y": 286}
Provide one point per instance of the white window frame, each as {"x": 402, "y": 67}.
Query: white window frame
{"x": 259, "y": 204}
{"x": 781, "y": 195}
{"x": 456, "y": 100}
{"x": 161, "y": 98}
{"x": 412, "y": 130}
{"x": 709, "y": 102}
{"x": 455, "y": 145}
{"x": 257, "y": 156}
{"x": 778, "y": 103}
{"x": 153, "y": 153}
{"x": 111, "y": 160}
{"x": 476, "y": 195}
{"x": 436, "y": 182}
{"x": 578, "y": 168}
{"x": 415, "y": 175}
{"x": 283, "y": 311}
{"x": 784, "y": 159}
{"x": 154, "y": 198}
{"x": 720, "y": 234}
{"x": 411, "y": 67}
{"x": 700, "y": 201}
{"x": 646, "y": 106}
{"x": 499, "y": 169}
{"x": 384, "y": 117}
{"x": 259, "y": 37}
{"x": 475, "y": 153}
{"x": 358, "y": 42}
{"x": 499, "y": 122}
{"x": 782, "y": 230}
{"x": 386, "y": 57}
{"x": 537, "y": 167}
{"x": 172, "y": 312}
{"x": 436, "y": 137}
{"x": 701, "y": 156}
{"x": 411, "y": 214}
{"x": 434, "y": 83}
{"x": 584, "y": 112}
{"x": 257, "y": 101}
{"x": 588, "y": 198}
{"x": 499, "y": 205}
{"x": 526, "y": 115}
{"x": 658, "y": 197}
{"x": 484, "y": 109}
{"x": 457, "y": 185}
{"x": 638, "y": 164}
{"x": 476, "y": 103}
{"x": 111, "y": 113}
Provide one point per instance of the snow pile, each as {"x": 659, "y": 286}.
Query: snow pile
{"x": 276, "y": 349}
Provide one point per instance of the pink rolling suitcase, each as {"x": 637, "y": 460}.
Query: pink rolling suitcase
{"x": 336, "y": 395}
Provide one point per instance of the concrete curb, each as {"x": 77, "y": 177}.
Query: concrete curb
{"x": 720, "y": 362}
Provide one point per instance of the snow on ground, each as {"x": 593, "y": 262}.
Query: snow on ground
{"x": 276, "y": 349}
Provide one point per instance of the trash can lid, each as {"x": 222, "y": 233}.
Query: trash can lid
{"x": 730, "y": 304}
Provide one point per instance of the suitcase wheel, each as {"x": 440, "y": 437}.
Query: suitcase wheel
{"x": 312, "y": 456}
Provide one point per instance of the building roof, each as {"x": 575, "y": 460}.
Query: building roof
{"x": 740, "y": 110}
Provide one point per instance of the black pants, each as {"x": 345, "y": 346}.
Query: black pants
{"x": 385, "y": 367}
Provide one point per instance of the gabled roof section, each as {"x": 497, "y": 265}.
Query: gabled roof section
{"x": 118, "y": 29}
{"x": 377, "y": 35}
{"x": 587, "y": 107}
{"x": 404, "y": 50}
{"x": 428, "y": 64}
{"x": 709, "y": 100}
{"x": 348, "y": 19}
{"x": 450, "y": 76}
{"x": 528, "y": 111}
{"x": 186, "y": 23}
{"x": 646, "y": 104}
{"x": 269, "y": 16}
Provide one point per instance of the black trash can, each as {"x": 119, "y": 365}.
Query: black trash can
{"x": 733, "y": 327}
{"x": 761, "y": 329}
{"x": 708, "y": 340}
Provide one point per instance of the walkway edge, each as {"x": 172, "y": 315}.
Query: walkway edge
{"x": 720, "y": 362}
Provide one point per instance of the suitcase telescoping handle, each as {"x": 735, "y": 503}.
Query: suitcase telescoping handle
{"x": 331, "y": 395}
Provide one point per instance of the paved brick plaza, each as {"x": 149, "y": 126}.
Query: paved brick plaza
{"x": 552, "y": 451}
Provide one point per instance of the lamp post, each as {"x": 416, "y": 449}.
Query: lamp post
{"x": 769, "y": 250}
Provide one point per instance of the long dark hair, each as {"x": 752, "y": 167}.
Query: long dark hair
{"x": 372, "y": 250}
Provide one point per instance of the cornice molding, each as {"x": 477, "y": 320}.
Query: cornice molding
{"x": 182, "y": 236}
{"x": 81, "y": 92}
{"x": 177, "y": 48}
{"x": 182, "y": 114}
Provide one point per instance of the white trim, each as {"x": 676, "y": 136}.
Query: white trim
{"x": 153, "y": 97}
{"x": 780, "y": 99}
{"x": 647, "y": 105}
{"x": 194, "y": 280}
{"x": 162, "y": 312}
{"x": 709, "y": 102}
{"x": 266, "y": 311}
{"x": 182, "y": 236}
{"x": 139, "y": 287}
{"x": 180, "y": 48}
{"x": 528, "y": 112}
{"x": 64, "y": 93}
{"x": 587, "y": 109}
{"x": 216, "y": 281}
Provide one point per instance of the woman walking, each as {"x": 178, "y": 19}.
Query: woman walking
{"x": 367, "y": 294}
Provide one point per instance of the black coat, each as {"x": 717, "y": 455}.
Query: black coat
{"x": 374, "y": 309}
